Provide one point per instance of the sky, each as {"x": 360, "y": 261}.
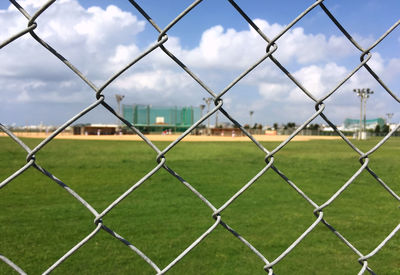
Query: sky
{"x": 214, "y": 41}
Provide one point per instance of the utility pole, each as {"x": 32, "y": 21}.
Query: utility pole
{"x": 364, "y": 95}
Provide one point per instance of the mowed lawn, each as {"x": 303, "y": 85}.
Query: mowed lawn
{"x": 40, "y": 221}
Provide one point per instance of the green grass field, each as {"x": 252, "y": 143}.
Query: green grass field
{"x": 40, "y": 221}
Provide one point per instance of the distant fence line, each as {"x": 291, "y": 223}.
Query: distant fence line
{"x": 272, "y": 45}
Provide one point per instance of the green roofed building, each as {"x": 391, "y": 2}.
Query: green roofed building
{"x": 354, "y": 124}
{"x": 158, "y": 119}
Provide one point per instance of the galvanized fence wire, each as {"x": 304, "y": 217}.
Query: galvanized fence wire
{"x": 272, "y": 46}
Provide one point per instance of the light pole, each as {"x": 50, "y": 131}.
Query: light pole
{"x": 119, "y": 98}
{"x": 251, "y": 115}
{"x": 363, "y": 94}
{"x": 216, "y": 119}
{"x": 202, "y": 106}
{"x": 208, "y": 101}
{"x": 389, "y": 117}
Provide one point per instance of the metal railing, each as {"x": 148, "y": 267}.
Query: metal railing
{"x": 271, "y": 47}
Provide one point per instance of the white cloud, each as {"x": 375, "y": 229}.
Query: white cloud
{"x": 225, "y": 49}
{"x": 392, "y": 69}
{"x": 122, "y": 56}
{"x": 318, "y": 80}
{"x": 94, "y": 40}
{"x": 274, "y": 91}
{"x": 160, "y": 81}
{"x": 231, "y": 49}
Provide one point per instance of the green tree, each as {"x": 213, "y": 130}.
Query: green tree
{"x": 291, "y": 125}
{"x": 385, "y": 129}
{"x": 313, "y": 126}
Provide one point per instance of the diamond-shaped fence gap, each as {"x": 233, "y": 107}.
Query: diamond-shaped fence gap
{"x": 385, "y": 261}
{"x": 51, "y": 84}
{"x": 156, "y": 80}
{"x": 29, "y": 53}
{"x": 5, "y": 267}
{"x": 382, "y": 169}
{"x": 113, "y": 35}
{"x": 373, "y": 11}
{"x": 275, "y": 14}
{"x": 239, "y": 161}
{"x": 105, "y": 247}
{"x": 43, "y": 135}
{"x": 321, "y": 64}
{"x": 45, "y": 220}
{"x": 224, "y": 252}
{"x": 329, "y": 255}
{"x": 352, "y": 212}
{"x": 386, "y": 48}
{"x": 216, "y": 49}
{"x": 378, "y": 103}
{"x": 170, "y": 7}
{"x": 271, "y": 215}
{"x": 319, "y": 177}
{"x": 41, "y": 85}
{"x": 164, "y": 218}
{"x": 384, "y": 72}
{"x": 262, "y": 92}
{"x": 100, "y": 171}
{"x": 14, "y": 157}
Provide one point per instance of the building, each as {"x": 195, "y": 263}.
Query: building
{"x": 149, "y": 118}
{"x": 95, "y": 129}
{"x": 370, "y": 124}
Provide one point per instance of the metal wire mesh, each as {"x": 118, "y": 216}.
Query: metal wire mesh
{"x": 272, "y": 46}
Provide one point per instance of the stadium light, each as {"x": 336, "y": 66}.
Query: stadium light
{"x": 202, "y": 106}
{"x": 119, "y": 98}
{"x": 251, "y": 115}
{"x": 208, "y": 101}
{"x": 363, "y": 94}
{"x": 389, "y": 117}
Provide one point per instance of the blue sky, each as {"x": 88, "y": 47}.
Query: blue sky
{"x": 216, "y": 44}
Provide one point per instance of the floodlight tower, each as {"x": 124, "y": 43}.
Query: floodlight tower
{"x": 363, "y": 94}
{"x": 208, "y": 101}
{"x": 358, "y": 92}
{"x": 389, "y": 117}
{"x": 202, "y": 106}
{"x": 251, "y": 116}
{"x": 119, "y": 98}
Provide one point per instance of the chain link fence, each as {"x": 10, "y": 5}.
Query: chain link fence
{"x": 272, "y": 46}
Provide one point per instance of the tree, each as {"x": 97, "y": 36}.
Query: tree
{"x": 313, "y": 126}
{"x": 291, "y": 125}
{"x": 275, "y": 126}
{"x": 377, "y": 129}
{"x": 385, "y": 129}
